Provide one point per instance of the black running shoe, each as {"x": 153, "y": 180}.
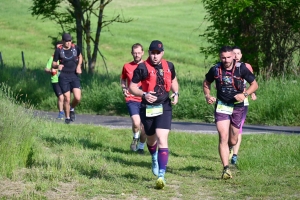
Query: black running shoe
{"x": 67, "y": 121}
{"x": 141, "y": 151}
{"x": 72, "y": 116}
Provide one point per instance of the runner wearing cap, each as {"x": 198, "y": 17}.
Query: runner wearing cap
{"x": 158, "y": 78}
{"x": 70, "y": 60}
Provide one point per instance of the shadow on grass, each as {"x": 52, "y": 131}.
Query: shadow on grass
{"x": 34, "y": 86}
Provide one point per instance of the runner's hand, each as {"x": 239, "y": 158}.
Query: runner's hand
{"x": 210, "y": 99}
{"x": 60, "y": 67}
{"x": 175, "y": 101}
{"x": 240, "y": 97}
{"x": 150, "y": 97}
{"x": 126, "y": 92}
{"x": 78, "y": 70}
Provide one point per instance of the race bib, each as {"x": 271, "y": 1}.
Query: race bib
{"x": 225, "y": 108}
{"x": 152, "y": 111}
{"x": 246, "y": 102}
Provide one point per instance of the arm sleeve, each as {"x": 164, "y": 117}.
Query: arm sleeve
{"x": 210, "y": 76}
{"x": 140, "y": 73}
{"x": 172, "y": 69}
{"x": 56, "y": 55}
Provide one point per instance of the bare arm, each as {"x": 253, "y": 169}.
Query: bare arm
{"x": 78, "y": 69}
{"x": 175, "y": 89}
{"x": 206, "y": 90}
{"x": 251, "y": 89}
{"x": 124, "y": 87}
{"x": 134, "y": 89}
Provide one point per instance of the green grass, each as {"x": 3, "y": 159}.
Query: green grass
{"x": 180, "y": 37}
{"x": 93, "y": 162}
{"x": 176, "y": 23}
{"x": 41, "y": 159}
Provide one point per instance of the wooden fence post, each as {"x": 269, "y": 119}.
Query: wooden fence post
{"x": 1, "y": 60}
{"x": 23, "y": 60}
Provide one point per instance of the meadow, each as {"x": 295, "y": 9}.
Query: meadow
{"x": 41, "y": 159}
{"x": 176, "y": 23}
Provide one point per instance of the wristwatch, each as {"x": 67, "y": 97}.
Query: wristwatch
{"x": 246, "y": 94}
{"x": 144, "y": 95}
{"x": 176, "y": 93}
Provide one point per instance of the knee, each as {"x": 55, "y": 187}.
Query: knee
{"x": 67, "y": 99}
{"x": 233, "y": 141}
{"x": 77, "y": 98}
{"x": 61, "y": 98}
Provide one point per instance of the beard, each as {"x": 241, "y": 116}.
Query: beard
{"x": 228, "y": 64}
{"x": 137, "y": 60}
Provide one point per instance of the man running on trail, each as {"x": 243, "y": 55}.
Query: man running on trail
{"x": 229, "y": 76}
{"x": 70, "y": 60}
{"x": 158, "y": 78}
{"x": 134, "y": 102}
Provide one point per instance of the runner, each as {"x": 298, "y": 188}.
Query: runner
{"x": 69, "y": 66}
{"x": 235, "y": 149}
{"x": 55, "y": 85}
{"x": 229, "y": 76}
{"x": 158, "y": 77}
{"x": 133, "y": 102}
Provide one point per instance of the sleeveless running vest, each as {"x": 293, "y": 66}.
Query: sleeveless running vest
{"x": 150, "y": 82}
{"x": 238, "y": 81}
{"x": 63, "y": 57}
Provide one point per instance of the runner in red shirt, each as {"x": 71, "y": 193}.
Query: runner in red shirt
{"x": 133, "y": 102}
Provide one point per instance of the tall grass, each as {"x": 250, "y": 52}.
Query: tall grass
{"x": 93, "y": 162}
{"x": 17, "y": 130}
{"x": 276, "y": 102}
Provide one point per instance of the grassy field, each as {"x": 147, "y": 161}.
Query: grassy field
{"x": 176, "y": 23}
{"x": 42, "y": 159}
{"x": 21, "y": 32}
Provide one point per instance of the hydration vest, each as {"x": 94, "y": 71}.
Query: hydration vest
{"x": 150, "y": 82}
{"x": 238, "y": 81}
{"x": 63, "y": 57}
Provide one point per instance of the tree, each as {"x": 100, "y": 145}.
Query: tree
{"x": 75, "y": 16}
{"x": 268, "y": 31}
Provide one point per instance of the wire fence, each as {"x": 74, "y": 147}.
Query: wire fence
{"x": 23, "y": 60}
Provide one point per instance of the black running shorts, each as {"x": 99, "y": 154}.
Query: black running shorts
{"x": 68, "y": 81}
{"x": 57, "y": 89}
{"x": 162, "y": 121}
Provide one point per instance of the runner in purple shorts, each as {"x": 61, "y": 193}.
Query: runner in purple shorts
{"x": 235, "y": 149}
{"x": 229, "y": 76}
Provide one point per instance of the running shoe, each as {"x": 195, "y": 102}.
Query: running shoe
{"x": 67, "y": 121}
{"x": 141, "y": 151}
{"x": 160, "y": 183}
{"x": 61, "y": 115}
{"x": 230, "y": 152}
{"x": 72, "y": 116}
{"x": 134, "y": 143}
{"x": 234, "y": 159}
{"x": 226, "y": 174}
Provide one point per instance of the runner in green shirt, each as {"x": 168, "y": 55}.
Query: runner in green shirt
{"x": 54, "y": 80}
